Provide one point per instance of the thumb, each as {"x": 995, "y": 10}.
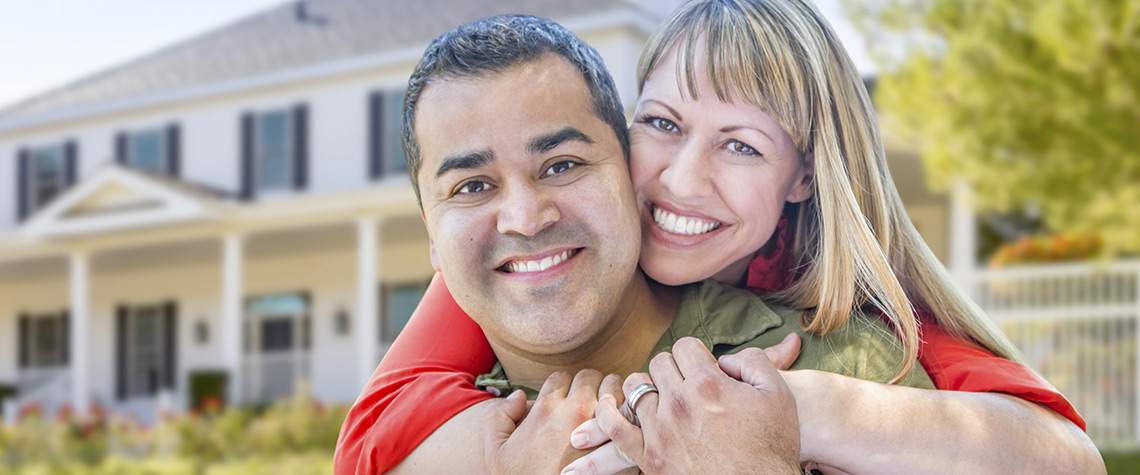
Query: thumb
{"x": 500, "y": 418}
{"x": 752, "y": 366}
{"x": 784, "y": 353}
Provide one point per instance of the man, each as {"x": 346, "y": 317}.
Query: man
{"x": 516, "y": 147}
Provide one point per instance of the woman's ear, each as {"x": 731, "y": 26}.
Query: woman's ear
{"x": 804, "y": 187}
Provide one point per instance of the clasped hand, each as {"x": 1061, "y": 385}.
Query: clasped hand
{"x": 735, "y": 415}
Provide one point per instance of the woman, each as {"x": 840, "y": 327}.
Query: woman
{"x": 814, "y": 153}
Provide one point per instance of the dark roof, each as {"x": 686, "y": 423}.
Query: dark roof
{"x": 291, "y": 36}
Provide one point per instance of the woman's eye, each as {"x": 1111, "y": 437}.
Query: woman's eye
{"x": 559, "y": 167}
{"x": 662, "y": 124}
{"x": 741, "y": 148}
{"x": 473, "y": 186}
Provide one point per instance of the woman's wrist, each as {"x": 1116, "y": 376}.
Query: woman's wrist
{"x": 821, "y": 399}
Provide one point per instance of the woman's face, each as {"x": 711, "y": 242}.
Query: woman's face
{"x": 711, "y": 179}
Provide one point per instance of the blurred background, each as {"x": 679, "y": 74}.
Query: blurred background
{"x": 208, "y": 239}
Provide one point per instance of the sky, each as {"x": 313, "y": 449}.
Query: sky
{"x": 45, "y": 44}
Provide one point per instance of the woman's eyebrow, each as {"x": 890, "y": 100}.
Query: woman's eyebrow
{"x": 734, "y": 128}
{"x": 666, "y": 106}
{"x": 550, "y": 141}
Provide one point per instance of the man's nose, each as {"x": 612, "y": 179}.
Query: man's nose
{"x": 527, "y": 209}
{"x": 687, "y": 174}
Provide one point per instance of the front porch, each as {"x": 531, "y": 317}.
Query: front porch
{"x": 265, "y": 293}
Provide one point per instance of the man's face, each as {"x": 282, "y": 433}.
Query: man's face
{"x": 528, "y": 204}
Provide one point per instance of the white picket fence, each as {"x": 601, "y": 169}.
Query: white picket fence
{"x": 1077, "y": 324}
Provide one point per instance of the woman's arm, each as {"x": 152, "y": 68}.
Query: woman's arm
{"x": 867, "y": 427}
{"x": 993, "y": 415}
{"x": 426, "y": 377}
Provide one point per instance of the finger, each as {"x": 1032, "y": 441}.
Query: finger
{"x": 501, "y": 417}
{"x": 585, "y": 385}
{"x": 558, "y": 383}
{"x": 663, "y": 370}
{"x": 588, "y": 435}
{"x": 757, "y": 370}
{"x": 608, "y": 459}
{"x": 731, "y": 363}
{"x": 611, "y": 385}
{"x": 693, "y": 358}
{"x": 784, "y": 353}
{"x": 646, "y": 408}
{"x": 628, "y": 437}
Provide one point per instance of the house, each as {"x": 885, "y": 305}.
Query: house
{"x": 233, "y": 205}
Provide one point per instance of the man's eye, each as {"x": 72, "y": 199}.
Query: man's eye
{"x": 473, "y": 186}
{"x": 559, "y": 167}
{"x": 742, "y": 148}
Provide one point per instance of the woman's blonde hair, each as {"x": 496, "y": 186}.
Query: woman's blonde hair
{"x": 854, "y": 243}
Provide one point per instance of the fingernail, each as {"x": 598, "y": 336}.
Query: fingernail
{"x": 578, "y": 440}
{"x": 515, "y": 395}
{"x": 570, "y": 471}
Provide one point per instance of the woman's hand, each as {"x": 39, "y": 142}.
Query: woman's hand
{"x": 705, "y": 418}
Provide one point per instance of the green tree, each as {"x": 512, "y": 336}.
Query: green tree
{"x": 1035, "y": 103}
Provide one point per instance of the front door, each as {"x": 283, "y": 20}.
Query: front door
{"x": 276, "y": 345}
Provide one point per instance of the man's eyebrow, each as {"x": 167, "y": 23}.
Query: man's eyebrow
{"x": 547, "y": 142}
{"x": 465, "y": 161}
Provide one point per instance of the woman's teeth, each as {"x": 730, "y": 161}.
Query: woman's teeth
{"x": 681, "y": 224}
{"x": 539, "y": 265}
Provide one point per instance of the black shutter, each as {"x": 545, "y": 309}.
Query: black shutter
{"x": 246, "y": 156}
{"x": 376, "y": 135}
{"x": 70, "y": 152}
{"x": 306, "y": 324}
{"x": 121, "y": 147}
{"x": 170, "y": 344}
{"x": 173, "y": 151}
{"x": 121, "y": 352}
{"x": 65, "y": 336}
{"x": 23, "y": 180}
{"x": 24, "y": 344}
{"x": 300, "y": 147}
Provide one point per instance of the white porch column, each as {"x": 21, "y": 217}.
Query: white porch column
{"x": 230, "y": 336}
{"x": 963, "y": 237}
{"x": 80, "y": 290}
{"x": 367, "y": 297}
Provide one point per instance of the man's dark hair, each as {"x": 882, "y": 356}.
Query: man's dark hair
{"x": 496, "y": 43}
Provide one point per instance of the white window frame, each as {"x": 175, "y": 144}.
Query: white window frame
{"x": 163, "y": 150}
{"x": 35, "y": 156}
{"x": 289, "y": 153}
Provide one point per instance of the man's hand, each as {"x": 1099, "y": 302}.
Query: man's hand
{"x": 609, "y": 459}
{"x": 705, "y": 419}
{"x": 541, "y": 442}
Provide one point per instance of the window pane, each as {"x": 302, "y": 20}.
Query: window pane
{"x": 148, "y": 151}
{"x": 277, "y": 334}
{"x": 402, "y": 301}
{"x": 47, "y": 174}
{"x": 46, "y": 342}
{"x": 274, "y": 164}
{"x": 394, "y": 161}
{"x": 144, "y": 356}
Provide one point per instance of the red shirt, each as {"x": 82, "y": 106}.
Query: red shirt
{"x": 428, "y": 375}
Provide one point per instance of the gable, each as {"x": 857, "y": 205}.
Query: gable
{"x": 115, "y": 199}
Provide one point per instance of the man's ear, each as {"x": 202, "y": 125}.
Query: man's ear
{"x": 434, "y": 258}
{"x": 805, "y": 186}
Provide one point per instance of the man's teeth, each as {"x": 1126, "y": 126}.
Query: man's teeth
{"x": 681, "y": 224}
{"x": 539, "y": 265}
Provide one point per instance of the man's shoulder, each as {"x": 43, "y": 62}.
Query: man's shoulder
{"x": 726, "y": 318}
{"x": 864, "y": 347}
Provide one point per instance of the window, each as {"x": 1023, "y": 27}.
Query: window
{"x": 48, "y": 174}
{"x": 273, "y": 151}
{"x": 399, "y": 302}
{"x": 387, "y": 148}
{"x": 43, "y": 340}
{"x": 277, "y": 334}
{"x": 147, "y": 151}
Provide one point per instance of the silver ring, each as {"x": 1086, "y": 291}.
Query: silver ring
{"x": 635, "y": 396}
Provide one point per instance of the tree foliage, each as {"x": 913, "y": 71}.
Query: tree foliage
{"x": 1035, "y": 103}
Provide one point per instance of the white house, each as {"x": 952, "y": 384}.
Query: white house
{"x": 234, "y": 204}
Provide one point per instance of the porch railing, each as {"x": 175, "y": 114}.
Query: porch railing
{"x": 1079, "y": 327}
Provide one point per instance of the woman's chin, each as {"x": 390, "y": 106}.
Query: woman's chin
{"x": 669, "y": 271}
